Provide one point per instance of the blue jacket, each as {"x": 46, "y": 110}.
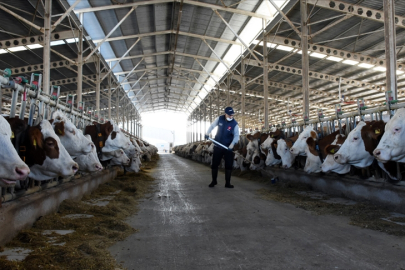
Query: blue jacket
{"x": 225, "y": 132}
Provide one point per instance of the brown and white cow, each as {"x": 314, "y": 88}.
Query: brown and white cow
{"x": 74, "y": 141}
{"x": 329, "y": 164}
{"x": 12, "y": 168}
{"x": 392, "y": 143}
{"x": 89, "y": 162}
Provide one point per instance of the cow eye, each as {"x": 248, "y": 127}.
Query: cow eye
{"x": 49, "y": 143}
{"x": 397, "y": 129}
{"x": 355, "y": 138}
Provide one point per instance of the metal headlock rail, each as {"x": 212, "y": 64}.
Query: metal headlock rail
{"x": 45, "y": 106}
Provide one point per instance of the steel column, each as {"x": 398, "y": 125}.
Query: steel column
{"x": 390, "y": 47}
{"x": 228, "y": 93}
{"x": 265, "y": 79}
{"x": 80, "y": 63}
{"x": 46, "y": 78}
{"x": 109, "y": 96}
{"x": 305, "y": 57}
{"x": 210, "y": 110}
{"x": 243, "y": 96}
{"x": 98, "y": 85}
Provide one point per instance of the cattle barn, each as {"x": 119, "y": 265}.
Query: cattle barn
{"x": 116, "y": 113}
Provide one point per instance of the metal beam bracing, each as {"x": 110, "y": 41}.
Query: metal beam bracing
{"x": 67, "y": 12}
{"x": 189, "y": 2}
{"x": 40, "y": 67}
{"x": 357, "y": 10}
{"x": 169, "y": 32}
{"x": 119, "y": 60}
{"x": 109, "y": 34}
{"x": 39, "y": 39}
{"x": 322, "y": 76}
{"x": 330, "y": 51}
{"x": 265, "y": 79}
{"x": 390, "y": 47}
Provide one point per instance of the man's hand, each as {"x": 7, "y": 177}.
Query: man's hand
{"x": 206, "y": 136}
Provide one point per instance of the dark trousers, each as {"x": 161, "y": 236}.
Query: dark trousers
{"x": 220, "y": 153}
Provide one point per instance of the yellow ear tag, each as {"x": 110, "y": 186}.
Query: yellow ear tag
{"x": 100, "y": 135}
{"x": 272, "y": 136}
{"x": 332, "y": 151}
{"x": 377, "y": 131}
{"x": 60, "y": 132}
{"x": 12, "y": 135}
{"x": 35, "y": 143}
{"x": 101, "y": 144}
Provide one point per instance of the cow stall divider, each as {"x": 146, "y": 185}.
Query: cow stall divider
{"x": 43, "y": 106}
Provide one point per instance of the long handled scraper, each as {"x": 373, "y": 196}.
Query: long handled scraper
{"x": 218, "y": 143}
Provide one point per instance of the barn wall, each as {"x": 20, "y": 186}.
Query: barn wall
{"x": 23, "y": 212}
{"x": 380, "y": 193}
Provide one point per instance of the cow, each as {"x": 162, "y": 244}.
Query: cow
{"x": 283, "y": 149}
{"x": 329, "y": 164}
{"x": 392, "y": 143}
{"x": 72, "y": 139}
{"x": 273, "y": 158}
{"x": 298, "y": 149}
{"x": 313, "y": 163}
{"x": 89, "y": 162}
{"x": 12, "y": 167}
{"x": 117, "y": 157}
{"x": 99, "y": 134}
{"x": 359, "y": 145}
{"x": 46, "y": 155}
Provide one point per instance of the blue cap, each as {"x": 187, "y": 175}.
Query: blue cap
{"x": 229, "y": 111}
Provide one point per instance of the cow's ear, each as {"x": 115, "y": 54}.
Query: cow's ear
{"x": 311, "y": 142}
{"x": 51, "y": 121}
{"x": 113, "y": 135}
{"x": 95, "y": 123}
{"x": 257, "y": 135}
{"x": 313, "y": 135}
{"x": 249, "y": 137}
{"x": 108, "y": 128}
{"x": 60, "y": 128}
{"x": 36, "y": 138}
{"x": 332, "y": 149}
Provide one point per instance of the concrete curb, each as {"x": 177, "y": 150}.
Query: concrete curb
{"x": 21, "y": 213}
{"x": 380, "y": 193}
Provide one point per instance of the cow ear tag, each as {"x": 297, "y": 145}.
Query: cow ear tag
{"x": 100, "y": 135}
{"x": 101, "y": 144}
{"x": 12, "y": 135}
{"x": 35, "y": 143}
{"x": 377, "y": 131}
{"x": 332, "y": 151}
{"x": 59, "y": 131}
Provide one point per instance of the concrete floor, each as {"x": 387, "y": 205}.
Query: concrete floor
{"x": 187, "y": 225}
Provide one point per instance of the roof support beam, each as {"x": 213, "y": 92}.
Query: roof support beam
{"x": 153, "y": 2}
{"x": 390, "y": 47}
{"x": 67, "y": 12}
{"x": 356, "y": 10}
{"x": 109, "y": 34}
{"x": 119, "y": 60}
{"x": 236, "y": 34}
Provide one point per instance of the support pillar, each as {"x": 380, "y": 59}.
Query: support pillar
{"x": 47, "y": 48}
{"x": 390, "y": 47}
{"x": 109, "y": 96}
{"x": 243, "y": 96}
{"x": 80, "y": 64}
{"x": 305, "y": 58}
{"x": 98, "y": 86}
{"x": 228, "y": 93}
{"x": 265, "y": 79}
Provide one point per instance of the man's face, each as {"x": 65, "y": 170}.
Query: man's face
{"x": 229, "y": 116}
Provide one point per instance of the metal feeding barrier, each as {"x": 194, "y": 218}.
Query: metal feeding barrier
{"x": 42, "y": 106}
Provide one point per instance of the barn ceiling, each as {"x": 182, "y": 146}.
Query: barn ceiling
{"x": 185, "y": 55}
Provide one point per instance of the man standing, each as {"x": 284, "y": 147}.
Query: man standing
{"x": 228, "y": 135}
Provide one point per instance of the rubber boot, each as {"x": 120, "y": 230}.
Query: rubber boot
{"x": 228, "y": 179}
{"x": 214, "y": 177}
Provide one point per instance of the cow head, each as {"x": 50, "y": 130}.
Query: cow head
{"x": 391, "y": 145}
{"x": 272, "y": 157}
{"x": 283, "y": 149}
{"x": 134, "y": 165}
{"x": 253, "y": 145}
{"x": 48, "y": 155}
{"x": 119, "y": 157}
{"x": 117, "y": 140}
{"x": 329, "y": 164}
{"x": 71, "y": 138}
{"x": 313, "y": 162}
{"x": 358, "y": 148}
{"x": 299, "y": 146}
{"x": 12, "y": 168}
{"x": 90, "y": 161}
